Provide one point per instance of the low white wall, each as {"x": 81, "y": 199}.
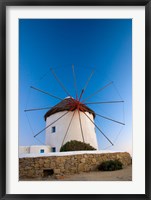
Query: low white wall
{"x": 37, "y": 149}
{"x": 24, "y": 149}
{"x": 67, "y": 153}
{"x": 34, "y": 149}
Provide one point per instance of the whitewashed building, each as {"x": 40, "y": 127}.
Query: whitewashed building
{"x": 70, "y": 120}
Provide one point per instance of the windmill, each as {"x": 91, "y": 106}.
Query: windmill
{"x": 72, "y": 118}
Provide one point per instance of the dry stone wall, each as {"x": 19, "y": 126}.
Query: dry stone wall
{"x": 69, "y": 164}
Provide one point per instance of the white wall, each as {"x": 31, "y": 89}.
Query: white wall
{"x": 74, "y": 132}
{"x": 33, "y": 149}
{"x": 37, "y": 148}
{"x": 24, "y": 149}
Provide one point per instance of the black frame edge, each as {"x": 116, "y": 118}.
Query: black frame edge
{"x": 75, "y": 2}
{"x": 3, "y": 4}
{"x": 2, "y": 101}
{"x": 148, "y": 98}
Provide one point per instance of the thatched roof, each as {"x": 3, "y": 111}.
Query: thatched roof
{"x": 67, "y": 104}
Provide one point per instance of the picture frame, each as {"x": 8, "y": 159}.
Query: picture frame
{"x": 3, "y": 95}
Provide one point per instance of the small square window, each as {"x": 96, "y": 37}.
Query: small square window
{"x": 53, "y": 149}
{"x": 53, "y": 129}
{"x": 42, "y": 150}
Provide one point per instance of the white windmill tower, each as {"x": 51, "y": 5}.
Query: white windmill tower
{"x": 69, "y": 120}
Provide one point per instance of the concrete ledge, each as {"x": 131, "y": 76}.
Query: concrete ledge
{"x": 33, "y": 155}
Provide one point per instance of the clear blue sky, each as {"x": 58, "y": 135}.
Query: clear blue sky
{"x": 103, "y": 45}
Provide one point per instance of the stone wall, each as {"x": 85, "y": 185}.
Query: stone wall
{"x": 69, "y": 164}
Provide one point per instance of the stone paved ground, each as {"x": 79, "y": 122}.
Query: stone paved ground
{"x": 119, "y": 175}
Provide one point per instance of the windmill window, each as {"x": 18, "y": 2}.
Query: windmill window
{"x": 42, "y": 150}
{"x": 53, "y": 149}
{"x": 53, "y": 129}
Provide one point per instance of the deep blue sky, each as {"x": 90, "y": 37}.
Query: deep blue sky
{"x": 103, "y": 45}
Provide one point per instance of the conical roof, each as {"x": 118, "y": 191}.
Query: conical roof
{"x": 68, "y": 104}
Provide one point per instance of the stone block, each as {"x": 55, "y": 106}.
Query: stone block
{"x": 60, "y": 176}
{"x": 46, "y": 165}
{"x": 47, "y": 161}
{"x": 41, "y": 161}
{"x": 82, "y": 160}
{"x": 52, "y": 164}
{"x": 56, "y": 171}
{"x": 93, "y": 160}
{"x": 67, "y": 166}
{"x": 81, "y": 167}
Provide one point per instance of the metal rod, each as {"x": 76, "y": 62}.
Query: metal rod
{"x": 46, "y": 93}
{"x": 81, "y": 125}
{"x": 83, "y": 90}
{"x": 110, "y": 119}
{"x": 103, "y": 102}
{"x": 81, "y": 94}
{"x": 99, "y": 129}
{"x": 61, "y": 84}
{"x": 51, "y": 124}
{"x": 34, "y": 109}
{"x": 97, "y": 91}
{"x": 32, "y": 130}
{"x": 68, "y": 128}
{"x": 75, "y": 83}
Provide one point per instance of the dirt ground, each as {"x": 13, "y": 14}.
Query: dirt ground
{"x": 119, "y": 175}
